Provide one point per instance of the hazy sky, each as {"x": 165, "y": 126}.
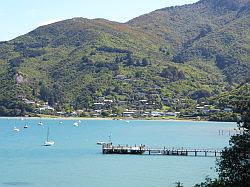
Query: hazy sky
{"x": 18, "y": 17}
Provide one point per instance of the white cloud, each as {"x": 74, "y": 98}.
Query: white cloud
{"x": 50, "y": 21}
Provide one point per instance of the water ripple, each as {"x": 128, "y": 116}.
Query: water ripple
{"x": 16, "y": 183}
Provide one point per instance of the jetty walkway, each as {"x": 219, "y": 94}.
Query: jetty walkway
{"x": 108, "y": 148}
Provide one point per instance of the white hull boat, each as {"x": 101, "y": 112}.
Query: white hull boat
{"x": 16, "y": 129}
{"x": 48, "y": 142}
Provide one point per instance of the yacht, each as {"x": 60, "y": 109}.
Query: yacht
{"x": 48, "y": 142}
{"x": 16, "y": 129}
{"x": 25, "y": 126}
{"x": 76, "y": 124}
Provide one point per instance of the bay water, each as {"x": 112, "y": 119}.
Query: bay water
{"x": 77, "y": 161}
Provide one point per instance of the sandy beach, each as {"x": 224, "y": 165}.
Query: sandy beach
{"x": 108, "y": 118}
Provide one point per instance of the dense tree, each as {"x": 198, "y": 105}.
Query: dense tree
{"x": 144, "y": 62}
{"x": 13, "y": 107}
{"x": 234, "y": 164}
{"x": 44, "y": 93}
{"x": 172, "y": 73}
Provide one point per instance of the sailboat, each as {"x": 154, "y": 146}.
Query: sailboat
{"x": 48, "y": 142}
{"x": 25, "y": 126}
{"x": 76, "y": 124}
{"x": 40, "y": 123}
{"x": 15, "y": 128}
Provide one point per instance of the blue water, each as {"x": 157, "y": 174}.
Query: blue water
{"x": 76, "y": 161}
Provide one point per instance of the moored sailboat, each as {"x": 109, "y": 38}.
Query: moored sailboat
{"x": 48, "y": 142}
{"x": 25, "y": 126}
{"x": 15, "y": 129}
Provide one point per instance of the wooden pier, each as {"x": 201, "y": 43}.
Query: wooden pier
{"x": 108, "y": 148}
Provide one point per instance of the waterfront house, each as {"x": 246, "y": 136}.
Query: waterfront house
{"x": 128, "y": 114}
{"x": 170, "y": 114}
{"x": 156, "y": 114}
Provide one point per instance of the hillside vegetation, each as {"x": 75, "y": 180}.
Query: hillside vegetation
{"x": 210, "y": 30}
{"x": 188, "y": 53}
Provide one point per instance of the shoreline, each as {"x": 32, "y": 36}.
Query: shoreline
{"x": 112, "y": 119}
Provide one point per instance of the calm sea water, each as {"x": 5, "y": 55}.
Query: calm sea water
{"x": 76, "y": 161}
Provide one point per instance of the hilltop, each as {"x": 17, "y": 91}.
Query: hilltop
{"x": 173, "y": 58}
{"x": 212, "y": 31}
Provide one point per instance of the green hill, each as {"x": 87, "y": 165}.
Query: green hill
{"x": 188, "y": 53}
{"x": 209, "y": 30}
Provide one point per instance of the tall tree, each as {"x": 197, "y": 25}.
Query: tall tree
{"x": 234, "y": 164}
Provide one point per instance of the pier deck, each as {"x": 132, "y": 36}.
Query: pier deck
{"x": 142, "y": 149}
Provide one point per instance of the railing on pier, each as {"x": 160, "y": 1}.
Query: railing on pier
{"x": 108, "y": 148}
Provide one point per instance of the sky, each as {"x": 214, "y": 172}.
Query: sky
{"x": 18, "y": 17}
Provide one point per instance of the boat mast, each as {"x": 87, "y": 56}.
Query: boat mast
{"x": 110, "y": 136}
{"x": 48, "y": 134}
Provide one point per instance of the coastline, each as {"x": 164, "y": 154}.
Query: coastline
{"x": 111, "y": 119}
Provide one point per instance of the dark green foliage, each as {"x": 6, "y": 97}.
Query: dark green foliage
{"x": 16, "y": 62}
{"x": 112, "y": 50}
{"x": 214, "y": 30}
{"x": 210, "y": 183}
{"x": 105, "y": 113}
{"x": 223, "y": 61}
{"x": 178, "y": 184}
{"x": 84, "y": 100}
{"x": 88, "y": 59}
{"x": 201, "y": 94}
{"x": 44, "y": 93}
{"x": 145, "y": 62}
{"x": 223, "y": 116}
{"x": 172, "y": 73}
{"x": 13, "y": 107}
{"x": 234, "y": 163}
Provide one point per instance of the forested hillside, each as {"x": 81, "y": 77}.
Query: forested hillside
{"x": 173, "y": 58}
{"x": 213, "y": 31}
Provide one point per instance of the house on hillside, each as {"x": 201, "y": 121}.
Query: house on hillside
{"x": 98, "y": 106}
{"x": 46, "y": 107}
{"x": 228, "y": 110}
{"x": 128, "y": 114}
{"x": 157, "y": 114}
{"x": 29, "y": 102}
{"x": 170, "y": 114}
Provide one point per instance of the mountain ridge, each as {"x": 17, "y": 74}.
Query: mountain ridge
{"x": 186, "y": 52}
{"x": 191, "y": 27}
